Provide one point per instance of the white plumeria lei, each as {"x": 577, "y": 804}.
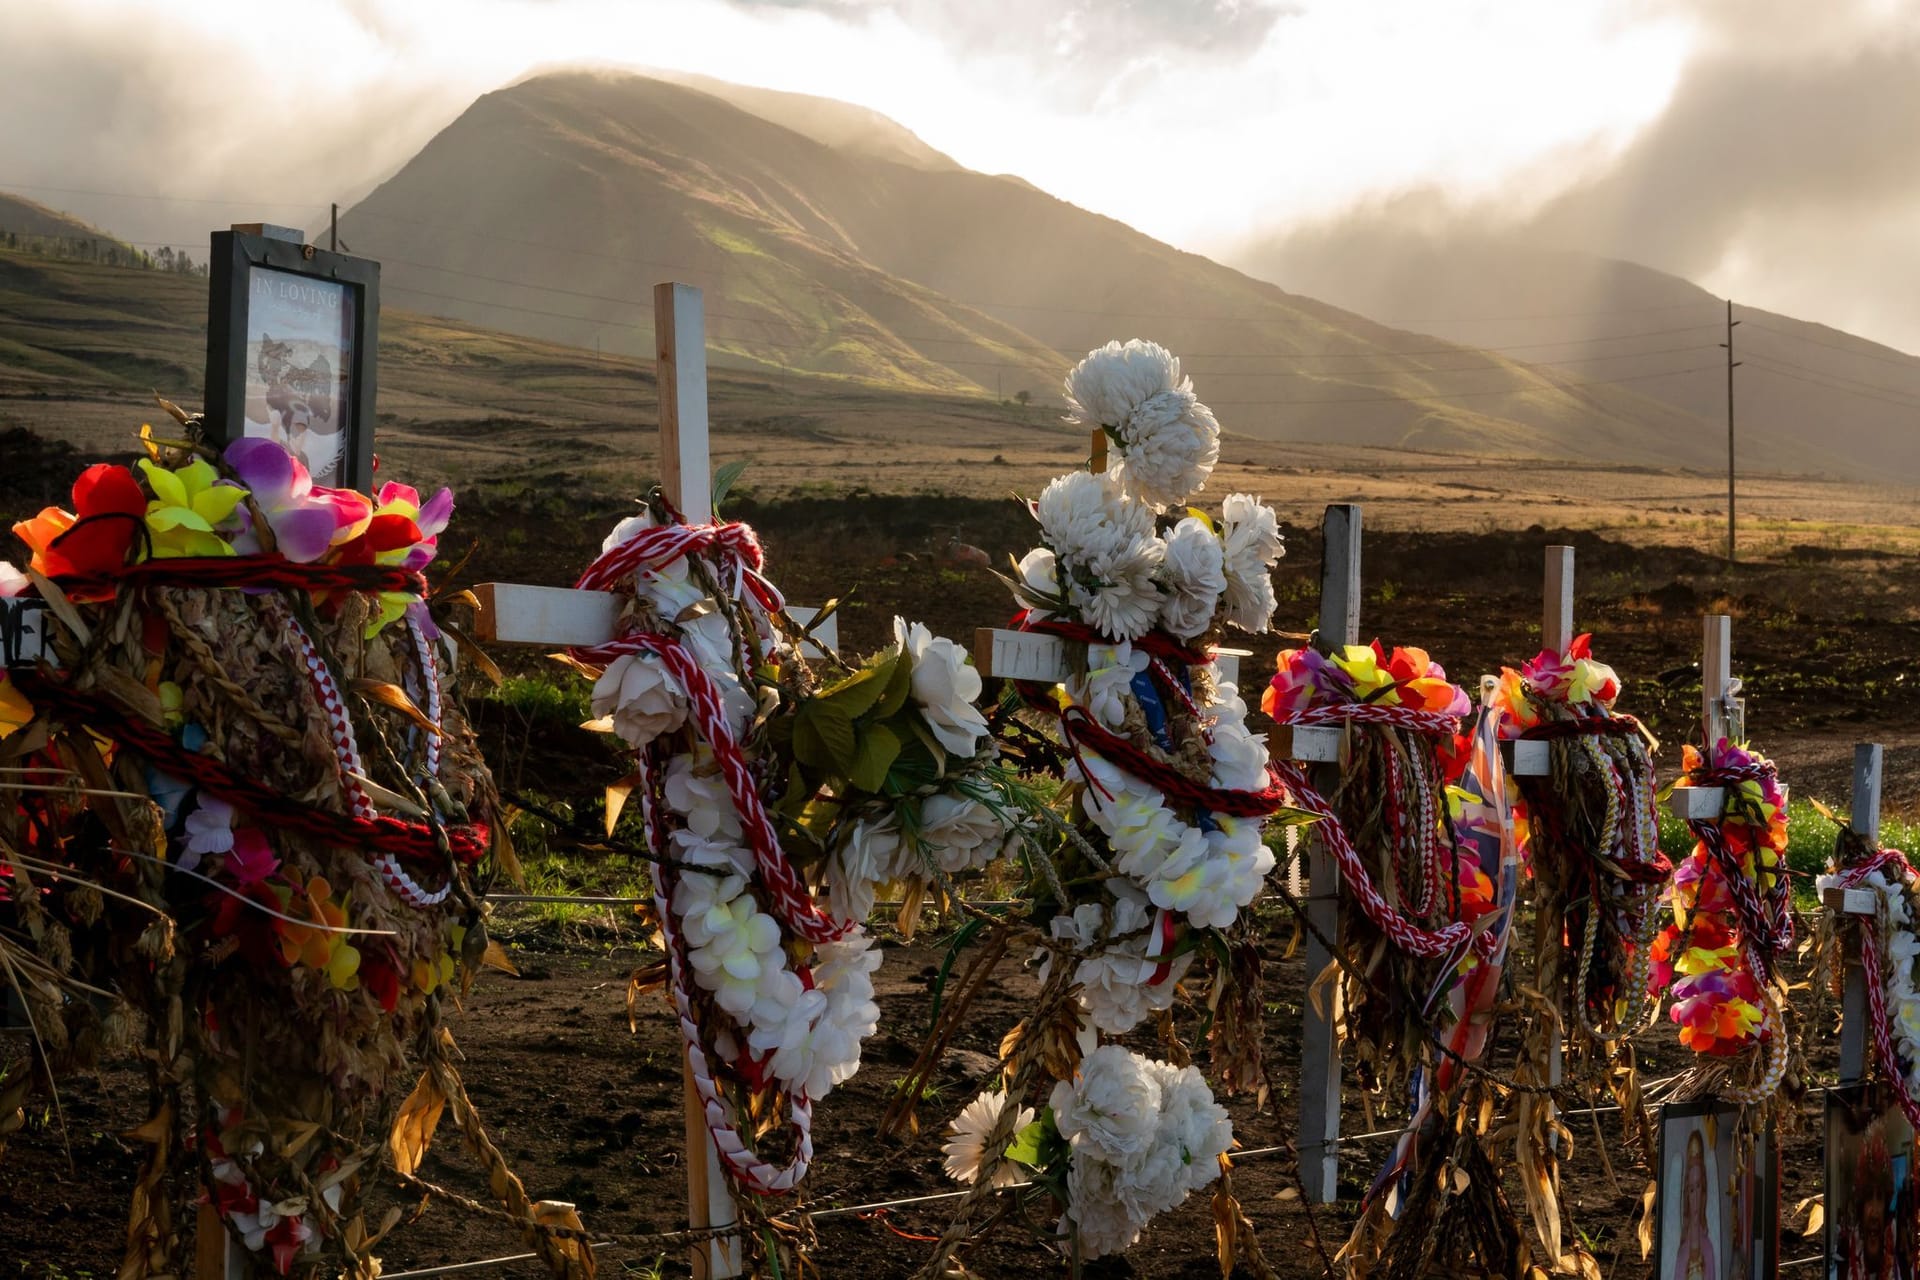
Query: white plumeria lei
{"x": 802, "y": 1024}
{"x": 1898, "y": 917}
{"x": 1140, "y": 1137}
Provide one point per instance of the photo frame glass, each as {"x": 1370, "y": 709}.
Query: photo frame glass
{"x": 1873, "y": 1220}
{"x": 1718, "y": 1211}
{"x": 299, "y": 362}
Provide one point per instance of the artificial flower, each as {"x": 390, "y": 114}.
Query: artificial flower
{"x": 643, "y": 700}
{"x": 1117, "y": 590}
{"x": 1250, "y": 535}
{"x": 965, "y": 1148}
{"x": 868, "y": 854}
{"x": 1194, "y": 573}
{"x": 209, "y": 831}
{"x": 1168, "y": 442}
{"x": 189, "y": 505}
{"x": 306, "y": 521}
{"x": 960, "y": 832}
{"x": 945, "y": 686}
{"x": 1111, "y": 1107}
{"x": 109, "y": 509}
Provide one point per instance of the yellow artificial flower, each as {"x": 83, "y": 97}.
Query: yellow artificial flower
{"x": 187, "y": 506}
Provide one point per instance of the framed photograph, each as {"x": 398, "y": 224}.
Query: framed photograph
{"x": 291, "y": 338}
{"x": 1873, "y": 1227}
{"x": 1719, "y": 1196}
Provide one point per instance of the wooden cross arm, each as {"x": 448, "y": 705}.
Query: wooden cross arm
{"x": 1003, "y": 654}
{"x": 1697, "y": 804}
{"x": 1849, "y": 902}
{"x": 560, "y": 617}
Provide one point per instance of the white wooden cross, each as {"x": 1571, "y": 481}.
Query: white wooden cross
{"x": 1721, "y": 714}
{"x": 1865, "y": 822}
{"x": 514, "y": 614}
{"x": 1533, "y": 757}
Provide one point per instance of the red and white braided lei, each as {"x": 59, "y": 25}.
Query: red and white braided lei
{"x": 1451, "y": 940}
{"x": 734, "y": 549}
{"x": 1897, "y": 876}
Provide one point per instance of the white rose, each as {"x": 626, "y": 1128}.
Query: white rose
{"x": 642, "y": 698}
{"x": 1040, "y": 574}
{"x": 625, "y": 530}
{"x": 1111, "y": 1107}
{"x": 868, "y": 855}
{"x": 960, "y": 832}
{"x": 944, "y": 686}
{"x": 1195, "y": 575}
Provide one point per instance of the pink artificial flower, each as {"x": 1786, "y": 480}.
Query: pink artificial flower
{"x": 306, "y": 519}
{"x": 251, "y": 860}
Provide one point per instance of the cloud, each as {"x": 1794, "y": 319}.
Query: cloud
{"x": 1780, "y": 172}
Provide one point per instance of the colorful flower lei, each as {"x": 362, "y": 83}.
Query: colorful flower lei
{"x": 1716, "y": 966}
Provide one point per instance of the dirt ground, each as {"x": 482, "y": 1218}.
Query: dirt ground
{"x": 589, "y": 1112}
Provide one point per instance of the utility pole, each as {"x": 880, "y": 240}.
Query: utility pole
{"x": 1732, "y": 364}
{"x": 333, "y": 230}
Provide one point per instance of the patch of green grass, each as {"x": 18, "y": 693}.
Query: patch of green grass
{"x": 546, "y": 697}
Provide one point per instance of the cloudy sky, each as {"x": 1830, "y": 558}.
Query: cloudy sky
{"x": 1764, "y": 148}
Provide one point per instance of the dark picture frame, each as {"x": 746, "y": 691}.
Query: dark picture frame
{"x": 1742, "y": 1250}
{"x": 1855, "y": 1114}
{"x": 312, "y": 384}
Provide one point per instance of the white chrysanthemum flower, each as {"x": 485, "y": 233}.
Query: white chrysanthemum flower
{"x": 1111, "y": 1107}
{"x": 868, "y": 855}
{"x": 1084, "y": 513}
{"x": 1108, "y": 687}
{"x": 1120, "y": 597}
{"x": 697, "y": 791}
{"x": 1193, "y": 1125}
{"x": 1093, "y": 1207}
{"x": 944, "y": 686}
{"x": 960, "y": 832}
{"x": 1239, "y": 756}
{"x": 1195, "y": 576}
{"x": 1167, "y": 440}
{"x": 965, "y": 1150}
{"x": 1250, "y": 533}
{"x": 642, "y": 698}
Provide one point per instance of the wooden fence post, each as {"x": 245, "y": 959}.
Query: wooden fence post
{"x": 1319, "y": 1038}
{"x": 1721, "y": 716}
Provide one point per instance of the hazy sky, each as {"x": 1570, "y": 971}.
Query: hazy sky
{"x": 1763, "y": 147}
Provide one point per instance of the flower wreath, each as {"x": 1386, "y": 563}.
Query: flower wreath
{"x": 1168, "y": 792}
{"x": 1732, "y": 918}
{"x": 238, "y": 790}
{"x": 1591, "y": 835}
{"x": 883, "y": 776}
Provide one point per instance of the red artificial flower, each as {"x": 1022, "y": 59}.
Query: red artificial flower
{"x": 109, "y": 511}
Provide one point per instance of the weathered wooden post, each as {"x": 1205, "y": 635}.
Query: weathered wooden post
{"x": 1864, "y": 821}
{"x": 514, "y": 614}
{"x": 1720, "y": 715}
{"x": 1319, "y": 1033}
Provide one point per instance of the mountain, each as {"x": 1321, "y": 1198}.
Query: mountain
{"x": 550, "y": 207}
{"x": 1841, "y": 402}
{"x": 24, "y": 217}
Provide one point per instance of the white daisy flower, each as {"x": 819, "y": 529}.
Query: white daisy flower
{"x": 965, "y": 1149}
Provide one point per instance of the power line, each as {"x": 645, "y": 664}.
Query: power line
{"x": 1765, "y": 367}
{"x": 1464, "y": 395}
{"x": 1837, "y": 377}
{"x": 1899, "y": 357}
